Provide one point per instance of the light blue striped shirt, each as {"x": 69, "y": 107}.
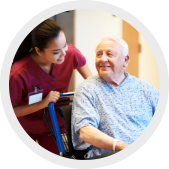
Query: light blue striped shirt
{"x": 121, "y": 112}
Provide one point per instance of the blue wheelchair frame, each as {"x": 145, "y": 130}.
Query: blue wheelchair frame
{"x": 56, "y": 133}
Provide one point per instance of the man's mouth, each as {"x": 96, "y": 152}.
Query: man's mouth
{"x": 104, "y": 66}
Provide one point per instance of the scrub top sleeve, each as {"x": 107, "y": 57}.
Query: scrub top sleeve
{"x": 79, "y": 59}
{"x": 15, "y": 89}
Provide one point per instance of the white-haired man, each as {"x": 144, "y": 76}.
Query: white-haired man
{"x": 111, "y": 109}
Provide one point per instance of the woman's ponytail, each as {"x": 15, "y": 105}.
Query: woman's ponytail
{"x": 24, "y": 48}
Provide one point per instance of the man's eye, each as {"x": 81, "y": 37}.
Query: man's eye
{"x": 99, "y": 54}
{"x": 110, "y": 54}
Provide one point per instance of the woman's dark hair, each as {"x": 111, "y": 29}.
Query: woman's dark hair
{"x": 40, "y": 37}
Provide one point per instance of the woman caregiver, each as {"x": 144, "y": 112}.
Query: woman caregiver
{"x": 41, "y": 70}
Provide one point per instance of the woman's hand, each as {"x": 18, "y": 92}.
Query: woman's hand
{"x": 53, "y": 96}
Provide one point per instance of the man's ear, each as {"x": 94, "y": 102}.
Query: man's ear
{"x": 38, "y": 51}
{"x": 127, "y": 58}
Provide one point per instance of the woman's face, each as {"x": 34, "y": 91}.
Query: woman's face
{"x": 56, "y": 50}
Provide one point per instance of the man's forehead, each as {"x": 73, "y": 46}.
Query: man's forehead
{"x": 107, "y": 45}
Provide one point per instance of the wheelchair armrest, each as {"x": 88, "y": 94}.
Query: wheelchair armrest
{"x": 63, "y": 102}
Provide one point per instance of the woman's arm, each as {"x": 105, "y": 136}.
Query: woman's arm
{"x": 95, "y": 137}
{"x": 24, "y": 110}
{"x": 84, "y": 71}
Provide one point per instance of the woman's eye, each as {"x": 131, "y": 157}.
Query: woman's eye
{"x": 56, "y": 53}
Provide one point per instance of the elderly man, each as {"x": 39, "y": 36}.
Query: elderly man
{"x": 111, "y": 109}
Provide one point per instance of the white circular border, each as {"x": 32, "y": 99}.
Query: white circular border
{"x": 164, "y": 83}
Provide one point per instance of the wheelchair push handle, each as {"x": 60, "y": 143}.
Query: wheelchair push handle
{"x": 66, "y": 94}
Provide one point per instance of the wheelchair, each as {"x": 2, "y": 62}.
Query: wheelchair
{"x": 64, "y": 141}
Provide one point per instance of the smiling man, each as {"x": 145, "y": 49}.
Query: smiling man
{"x": 111, "y": 109}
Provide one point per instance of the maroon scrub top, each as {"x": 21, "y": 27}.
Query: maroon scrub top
{"x": 26, "y": 73}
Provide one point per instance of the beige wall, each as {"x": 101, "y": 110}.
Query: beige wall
{"x": 90, "y": 26}
{"x": 148, "y": 69}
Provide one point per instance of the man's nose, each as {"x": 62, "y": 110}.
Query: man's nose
{"x": 104, "y": 57}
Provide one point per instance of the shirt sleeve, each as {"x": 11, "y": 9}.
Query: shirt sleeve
{"x": 15, "y": 89}
{"x": 84, "y": 113}
{"x": 153, "y": 97}
{"x": 79, "y": 59}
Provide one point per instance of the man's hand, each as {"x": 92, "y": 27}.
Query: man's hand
{"x": 121, "y": 145}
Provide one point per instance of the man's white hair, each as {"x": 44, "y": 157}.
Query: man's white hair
{"x": 119, "y": 41}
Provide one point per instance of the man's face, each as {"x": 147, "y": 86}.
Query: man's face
{"x": 110, "y": 62}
